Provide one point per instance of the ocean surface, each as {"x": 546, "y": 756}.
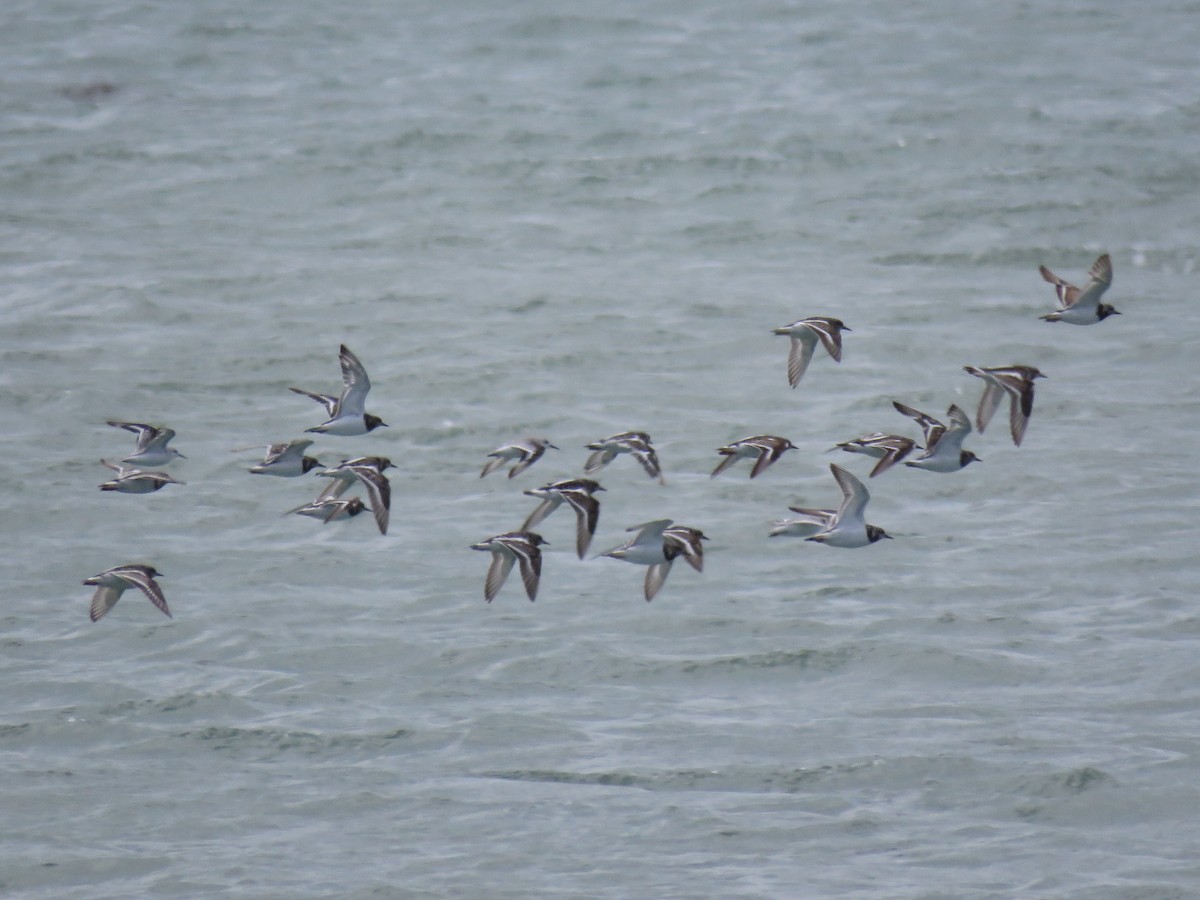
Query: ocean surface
{"x": 574, "y": 220}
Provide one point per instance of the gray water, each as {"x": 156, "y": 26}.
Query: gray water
{"x": 572, "y": 221}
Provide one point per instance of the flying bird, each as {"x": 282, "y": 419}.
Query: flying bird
{"x": 804, "y": 335}
{"x": 1017, "y": 383}
{"x": 347, "y": 413}
{"x": 520, "y": 547}
{"x": 112, "y": 583}
{"x": 1082, "y": 306}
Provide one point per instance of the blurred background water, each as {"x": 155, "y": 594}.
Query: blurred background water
{"x": 527, "y": 218}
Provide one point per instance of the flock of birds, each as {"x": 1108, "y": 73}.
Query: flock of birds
{"x": 655, "y": 545}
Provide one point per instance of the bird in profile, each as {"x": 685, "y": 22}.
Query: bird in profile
{"x": 347, "y": 413}
{"x": 1017, "y": 383}
{"x": 152, "y": 449}
{"x": 286, "y": 460}
{"x": 112, "y": 583}
{"x": 131, "y": 480}
{"x": 520, "y": 547}
{"x": 635, "y": 443}
{"x": 804, "y": 335}
{"x": 367, "y": 471}
{"x": 889, "y": 449}
{"x": 657, "y": 545}
{"x": 330, "y": 509}
{"x": 578, "y": 494}
{"x": 765, "y": 449}
{"x": 943, "y": 446}
{"x": 845, "y": 527}
{"x": 1082, "y": 306}
{"x": 525, "y": 451}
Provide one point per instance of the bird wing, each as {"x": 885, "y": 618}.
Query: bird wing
{"x": 147, "y": 585}
{"x": 354, "y": 376}
{"x": 530, "y": 559}
{"x": 530, "y": 453}
{"x": 599, "y": 459}
{"x": 895, "y": 448}
{"x": 543, "y": 509}
{"x": 103, "y": 600}
{"x": 326, "y": 400}
{"x": 854, "y": 496}
{"x": 830, "y": 335}
{"x": 1066, "y": 292}
{"x": 988, "y": 402}
{"x": 800, "y": 354}
{"x": 645, "y": 454}
{"x": 379, "y": 492}
{"x": 587, "y": 516}
{"x": 927, "y": 422}
{"x": 655, "y": 576}
{"x": 685, "y": 542}
{"x": 502, "y": 564}
{"x": 1099, "y": 280}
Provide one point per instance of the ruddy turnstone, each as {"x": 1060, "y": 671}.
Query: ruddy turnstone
{"x": 889, "y": 449}
{"x": 847, "y": 527}
{"x": 367, "y": 471}
{"x": 286, "y": 460}
{"x": 347, "y": 413}
{"x": 112, "y": 583}
{"x": 804, "y": 335}
{"x": 522, "y": 547}
{"x": 764, "y": 448}
{"x": 329, "y": 509}
{"x": 577, "y": 492}
{"x": 152, "y": 449}
{"x": 130, "y": 480}
{"x": 525, "y": 451}
{"x": 1017, "y": 382}
{"x": 1082, "y": 307}
{"x": 636, "y": 443}
{"x": 657, "y": 545}
{"x": 943, "y": 446}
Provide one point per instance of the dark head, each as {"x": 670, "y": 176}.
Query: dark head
{"x": 875, "y": 533}
{"x": 967, "y": 457}
{"x": 536, "y": 539}
{"x": 309, "y": 463}
{"x": 1103, "y": 311}
{"x": 373, "y": 422}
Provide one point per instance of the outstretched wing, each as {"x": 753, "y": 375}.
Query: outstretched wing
{"x": 327, "y": 401}
{"x": 543, "y": 509}
{"x": 799, "y": 356}
{"x": 379, "y": 492}
{"x": 502, "y": 564}
{"x": 1066, "y": 292}
{"x": 147, "y": 586}
{"x": 854, "y": 496}
{"x": 655, "y": 576}
{"x": 830, "y": 334}
{"x": 587, "y": 516}
{"x": 356, "y": 384}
